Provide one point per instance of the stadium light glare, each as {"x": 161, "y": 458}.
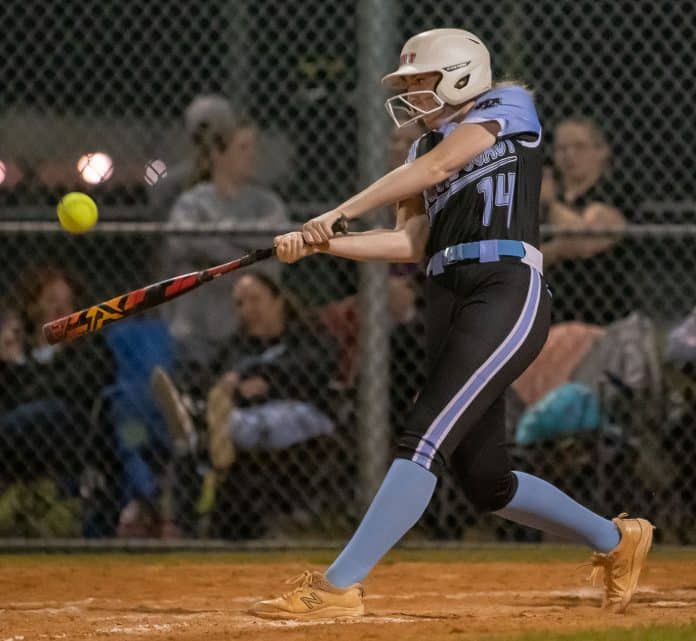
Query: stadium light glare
{"x": 95, "y": 168}
{"x": 155, "y": 170}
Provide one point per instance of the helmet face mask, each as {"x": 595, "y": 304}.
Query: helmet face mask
{"x": 460, "y": 58}
{"x": 404, "y": 108}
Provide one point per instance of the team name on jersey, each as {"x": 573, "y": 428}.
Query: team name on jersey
{"x": 488, "y": 155}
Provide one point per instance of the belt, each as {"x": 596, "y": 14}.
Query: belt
{"x": 485, "y": 251}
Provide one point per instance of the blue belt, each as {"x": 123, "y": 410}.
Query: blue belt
{"x": 485, "y": 251}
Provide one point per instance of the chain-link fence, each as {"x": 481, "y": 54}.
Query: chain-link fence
{"x": 92, "y": 424}
{"x": 215, "y": 416}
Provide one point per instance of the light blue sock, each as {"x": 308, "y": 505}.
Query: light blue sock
{"x": 397, "y": 506}
{"x": 540, "y": 505}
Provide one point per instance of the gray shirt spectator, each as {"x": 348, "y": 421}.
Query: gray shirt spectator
{"x": 223, "y": 193}
{"x": 203, "y": 317}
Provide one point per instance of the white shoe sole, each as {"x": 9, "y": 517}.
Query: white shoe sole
{"x": 330, "y": 612}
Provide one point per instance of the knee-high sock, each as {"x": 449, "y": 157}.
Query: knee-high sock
{"x": 540, "y": 505}
{"x": 397, "y": 506}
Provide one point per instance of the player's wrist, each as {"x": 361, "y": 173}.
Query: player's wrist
{"x": 318, "y": 248}
{"x": 345, "y": 212}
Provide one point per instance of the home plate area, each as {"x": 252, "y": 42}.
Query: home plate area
{"x": 205, "y": 597}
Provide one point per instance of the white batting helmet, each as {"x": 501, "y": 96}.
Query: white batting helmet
{"x": 460, "y": 58}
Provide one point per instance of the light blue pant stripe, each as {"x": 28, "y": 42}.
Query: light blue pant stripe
{"x": 441, "y": 426}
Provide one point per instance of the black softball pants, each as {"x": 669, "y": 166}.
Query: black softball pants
{"x": 485, "y": 323}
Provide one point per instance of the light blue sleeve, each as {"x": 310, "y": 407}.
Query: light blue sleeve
{"x": 512, "y": 107}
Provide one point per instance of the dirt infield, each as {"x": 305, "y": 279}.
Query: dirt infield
{"x": 434, "y": 596}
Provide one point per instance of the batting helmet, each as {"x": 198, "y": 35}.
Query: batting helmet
{"x": 460, "y": 58}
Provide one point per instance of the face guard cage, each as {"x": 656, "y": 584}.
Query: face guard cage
{"x": 404, "y": 110}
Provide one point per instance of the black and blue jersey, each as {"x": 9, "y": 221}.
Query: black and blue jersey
{"x": 495, "y": 195}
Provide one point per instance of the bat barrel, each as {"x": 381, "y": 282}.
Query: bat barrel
{"x": 92, "y": 319}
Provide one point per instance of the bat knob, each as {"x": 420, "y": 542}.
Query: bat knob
{"x": 340, "y": 225}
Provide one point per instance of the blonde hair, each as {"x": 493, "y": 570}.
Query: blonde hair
{"x": 512, "y": 82}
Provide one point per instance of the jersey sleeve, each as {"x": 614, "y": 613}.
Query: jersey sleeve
{"x": 423, "y": 145}
{"x": 512, "y": 107}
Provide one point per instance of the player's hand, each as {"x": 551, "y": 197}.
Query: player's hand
{"x": 291, "y": 247}
{"x": 319, "y": 230}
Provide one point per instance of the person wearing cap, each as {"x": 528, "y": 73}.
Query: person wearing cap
{"x": 468, "y": 205}
{"x": 203, "y": 110}
{"x": 222, "y": 191}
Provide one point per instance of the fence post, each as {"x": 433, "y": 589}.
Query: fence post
{"x": 237, "y": 25}
{"x": 377, "y": 47}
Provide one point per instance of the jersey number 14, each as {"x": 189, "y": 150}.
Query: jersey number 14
{"x": 497, "y": 191}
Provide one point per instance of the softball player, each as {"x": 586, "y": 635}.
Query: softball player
{"x": 467, "y": 201}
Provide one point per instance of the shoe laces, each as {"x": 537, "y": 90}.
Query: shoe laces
{"x": 613, "y": 570}
{"x": 301, "y": 581}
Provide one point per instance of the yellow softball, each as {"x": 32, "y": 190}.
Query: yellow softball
{"x": 77, "y": 212}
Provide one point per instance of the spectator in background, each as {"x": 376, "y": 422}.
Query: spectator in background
{"x": 12, "y": 340}
{"x": 578, "y": 193}
{"x": 48, "y": 390}
{"x": 268, "y": 387}
{"x": 272, "y": 375}
{"x": 222, "y": 192}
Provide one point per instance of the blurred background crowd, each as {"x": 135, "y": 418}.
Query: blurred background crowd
{"x": 264, "y": 405}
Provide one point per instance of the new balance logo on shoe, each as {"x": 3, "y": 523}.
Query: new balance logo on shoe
{"x": 311, "y": 600}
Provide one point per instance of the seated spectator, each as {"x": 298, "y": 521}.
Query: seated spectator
{"x": 222, "y": 192}
{"x": 269, "y": 387}
{"x": 272, "y": 376}
{"x": 564, "y": 349}
{"x": 12, "y": 340}
{"x": 578, "y": 194}
{"x": 140, "y": 435}
{"x": 48, "y": 391}
{"x": 595, "y": 393}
